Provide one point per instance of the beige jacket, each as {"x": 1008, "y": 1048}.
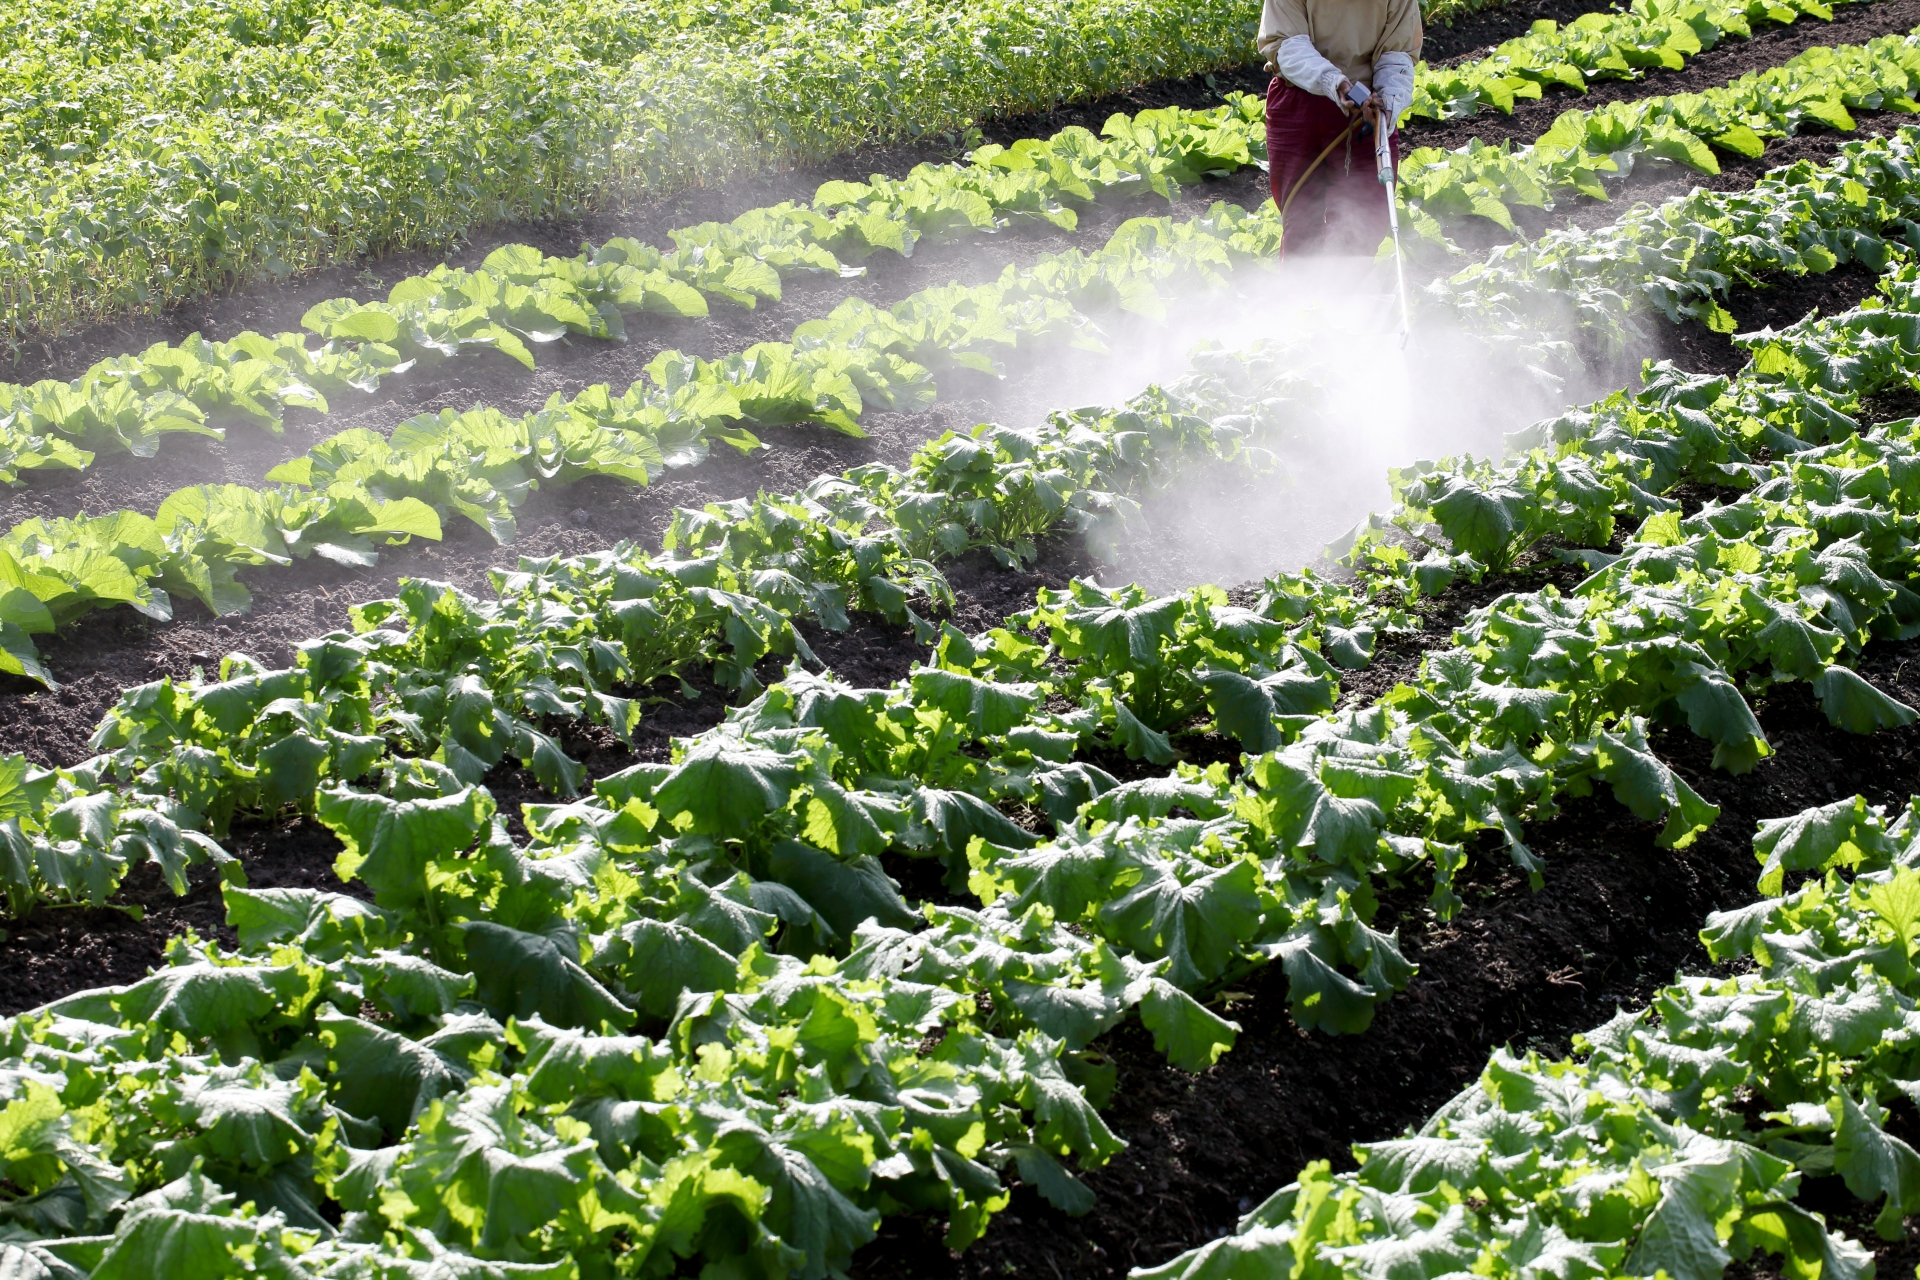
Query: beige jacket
{"x": 1349, "y": 34}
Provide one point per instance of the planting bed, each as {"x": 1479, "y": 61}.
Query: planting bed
{"x": 1617, "y": 914}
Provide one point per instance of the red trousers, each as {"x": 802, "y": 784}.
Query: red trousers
{"x": 1342, "y": 206}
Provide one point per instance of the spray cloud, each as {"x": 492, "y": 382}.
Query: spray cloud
{"x": 1335, "y": 400}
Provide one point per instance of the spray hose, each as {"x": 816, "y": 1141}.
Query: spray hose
{"x": 1306, "y": 173}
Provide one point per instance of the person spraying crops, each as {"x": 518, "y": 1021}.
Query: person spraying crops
{"x": 1344, "y": 77}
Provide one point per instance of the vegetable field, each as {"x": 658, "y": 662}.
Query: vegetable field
{"x": 577, "y": 699}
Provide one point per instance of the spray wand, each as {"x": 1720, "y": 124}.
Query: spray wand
{"x": 1383, "y": 153}
{"x": 1383, "y": 157}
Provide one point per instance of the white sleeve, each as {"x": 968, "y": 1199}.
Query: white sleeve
{"x": 1393, "y": 81}
{"x": 1302, "y": 65}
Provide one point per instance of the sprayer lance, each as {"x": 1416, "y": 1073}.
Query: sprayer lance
{"x": 1383, "y": 155}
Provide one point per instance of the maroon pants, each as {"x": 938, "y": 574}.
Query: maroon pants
{"x": 1341, "y": 207}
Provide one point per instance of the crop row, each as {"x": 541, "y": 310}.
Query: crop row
{"x": 1584, "y": 149}
{"x": 1677, "y": 1137}
{"x": 341, "y": 498}
{"x": 520, "y": 298}
{"x": 256, "y": 154}
{"x": 1606, "y": 45}
{"x": 411, "y": 129}
{"x": 469, "y": 1038}
{"x": 358, "y": 488}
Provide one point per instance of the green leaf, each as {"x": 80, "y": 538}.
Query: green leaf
{"x": 1117, "y": 636}
{"x": 1137, "y": 739}
{"x": 1716, "y": 711}
{"x": 1873, "y": 1163}
{"x": 24, "y": 787}
{"x": 206, "y": 1002}
{"x": 1857, "y": 706}
{"x": 249, "y": 1123}
{"x": 806, "y": 1209}
{"x": 327, "y": 925}
{"x": 366, "y": 325}
{"x": 1516, "y": 712}
{"x": 1681, "y": 1235}
{"x": 1065, "y": 1123}
{"x": 1244, "y": 708}
{"x": 1320, "y": 996}
{"x": 949, "y": 820}
{"x": 1897, "y": 904}
{"x": 725, "y": 787}
{"x": 1642, "y": 782}
{"x": 1055, "y": 1183}
{"x": 524, "y": 975}
{"x": 1190, "y": 1035}
{"x": 1810, "y": 1250}
{"x": 1678, "y": 144}
{"x": 1200, "y": 926}
{"x": 1845, "y": 833}
{"x": 724, "y": 915}
{"x": 1477, "y": 521}
{"x": 18, "y": 656}
{"x": 187, "y": 1228}
{"x": 563, "y": 1065}
{"x": 657, "y": 960}
{"x": 1741, "y": 141}
{"x": 388, "y": 843}
{"x": 987, "y": 708}
{"x": 846, "y": 893}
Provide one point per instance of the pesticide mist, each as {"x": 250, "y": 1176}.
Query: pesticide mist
{"x": 1336, "y": 401}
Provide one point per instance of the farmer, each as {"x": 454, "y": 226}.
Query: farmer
{"x": 1322, "y": 49}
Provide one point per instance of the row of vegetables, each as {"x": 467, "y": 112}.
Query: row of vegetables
{"x": 1677, "y": 1137}
{"x": 143, "y": 181}
{"x": 356, "y": 491}
{"x": 519, "y": 298}
{"x": 148, "y": 168}
{"x": 690, "y": 1014}
{"x": 1586, "y": 149}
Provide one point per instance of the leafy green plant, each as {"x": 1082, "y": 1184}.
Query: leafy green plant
{"x": 1782, "y": 1072}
